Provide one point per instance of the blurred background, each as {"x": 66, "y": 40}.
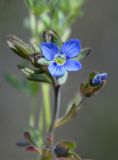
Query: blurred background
{"x": 95, "y": 129}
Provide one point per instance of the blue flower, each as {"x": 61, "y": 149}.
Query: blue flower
{"x": 99, "y": 78}
{"x": 61, "y": 59}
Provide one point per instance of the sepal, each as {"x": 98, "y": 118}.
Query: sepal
{"x": 62, "y": 79}
{"x": 84, "y": 53}
{"x": 43, "y": 62}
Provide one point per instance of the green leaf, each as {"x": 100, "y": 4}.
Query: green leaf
{"x": 46, "y": 20}
{"x": 28, "y": 71}
{"x": 34, "y": 75}
{"x": 19, "y": 47}
{"x": 67, "y": 117}
{"x": 37, "y": 7}
{"x": 36, "y": 49}
{"x": 61, "y": 80}
{"x": 40, "y": 78}
{"x": 71, "y": 111}
{"x": 66, "y": 34}
{"x": 28, "y": 138}
{"x": 25, "y": 70}
{"x": 22, "y": 85}
{"x": 83, "y": 54}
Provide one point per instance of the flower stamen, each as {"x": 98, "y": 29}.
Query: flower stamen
{"x": 60, "y": 59}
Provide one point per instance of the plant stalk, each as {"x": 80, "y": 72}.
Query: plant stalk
{"x": 33, "y": 112}
{"x": 56, "y": 109}
{"x": 46, "y": 102}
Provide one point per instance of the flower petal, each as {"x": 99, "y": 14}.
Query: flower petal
{"x": 56, "y": 70}
{"x": 49, "y": 50}
{"x": 71, "y": 48}
{"x": 103, "y": 76}
{"x": 72, "y": 65}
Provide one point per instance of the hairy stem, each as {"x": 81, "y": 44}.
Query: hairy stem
{"x": 56, "y": 109}
{"x": 45, "y": 112}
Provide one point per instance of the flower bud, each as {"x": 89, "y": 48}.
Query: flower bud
{"x": 61, "y": 150}
{"x": 19, "y": 47}
{"x": 95, "y": 82}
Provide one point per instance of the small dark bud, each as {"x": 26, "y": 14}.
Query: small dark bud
{"x": 61, "y": 150}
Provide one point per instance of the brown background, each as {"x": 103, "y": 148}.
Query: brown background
{"x": 96, "y": 127}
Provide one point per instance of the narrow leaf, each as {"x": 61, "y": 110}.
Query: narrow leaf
{"x": 28, "y": 138}
{"x": 23, "y": 85}
{"x": 71, "y": 112}
{"x": 67, "y": 117}
{"x": 40, "y": 78}
{"x": 19, "y": 47}
{"x": 35, "y": 75}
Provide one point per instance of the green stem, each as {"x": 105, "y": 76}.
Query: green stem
{"x": 45, "y": 112}
{"x": 33, "y": 24}
{"x": 46, "y": 101}
{"x": 33, "y": 112}
{"x": 41, "y": 127}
